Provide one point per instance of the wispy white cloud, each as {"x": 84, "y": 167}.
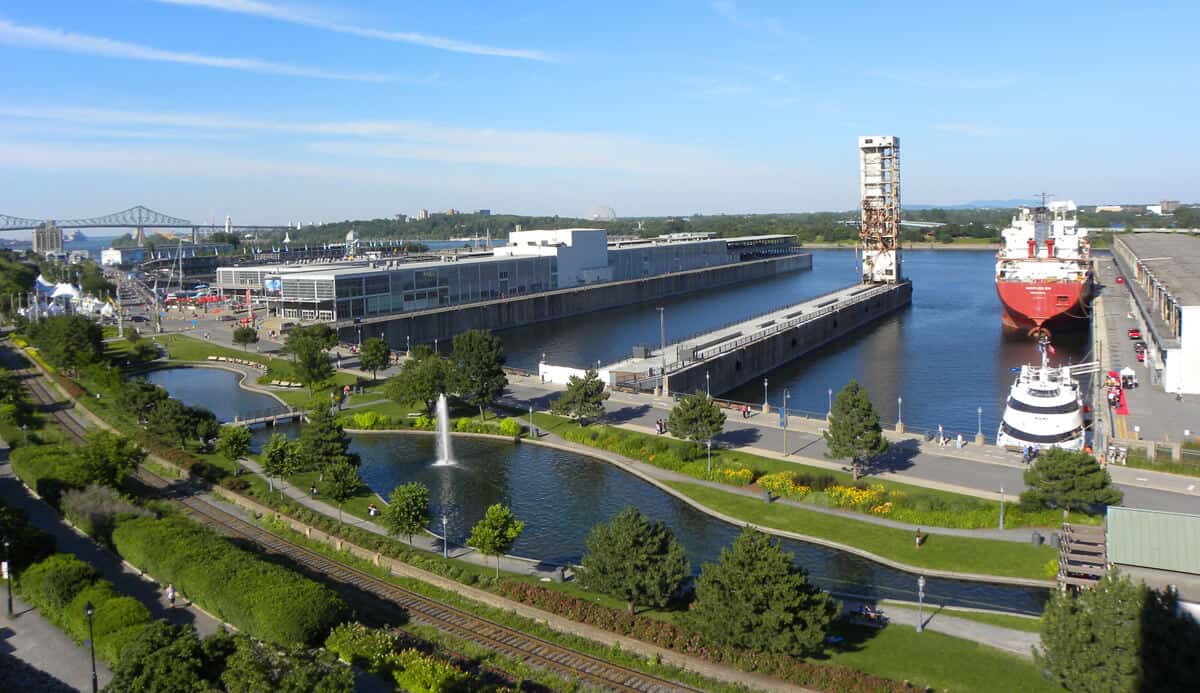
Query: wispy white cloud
{"x": 296, "y": 16}
{"x": 414, "y": 140}
{"x": 729, "y": 10}
{"x": 70, "y": 42}
{"x": 951, "y": 79}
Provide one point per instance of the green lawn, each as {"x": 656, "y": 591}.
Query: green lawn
{"x": 982, "y": 556}
{"x": 184, "y": 348}
{"x": 936, "y": 660}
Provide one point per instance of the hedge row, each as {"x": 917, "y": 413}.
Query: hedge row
{"x": 50, "y": 470}
{"x": 261, "y": 598}
{"x": 62, "y": 585}
{"x": 673, "y": 637}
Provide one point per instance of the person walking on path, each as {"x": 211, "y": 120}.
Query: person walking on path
{"x": 171, "y": 595}
{"x": 918, "y": 539}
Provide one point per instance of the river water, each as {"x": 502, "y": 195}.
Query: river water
{"x": 562, "y": 495}
{"x": 946, "y": 356}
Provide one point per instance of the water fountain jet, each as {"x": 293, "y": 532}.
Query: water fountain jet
{"x": 445, "y": 455}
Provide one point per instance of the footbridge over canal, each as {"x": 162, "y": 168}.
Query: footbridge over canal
{"x": 728, "y": 357}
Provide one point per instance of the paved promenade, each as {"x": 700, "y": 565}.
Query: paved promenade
{"x": 973, "y": 470}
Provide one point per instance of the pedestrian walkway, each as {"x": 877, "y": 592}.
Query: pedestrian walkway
{"x": 49, "y": 655}
{"x": 940, "y": 620}
{"x": 126, "y": 580}
{"x": 427, "y": 542}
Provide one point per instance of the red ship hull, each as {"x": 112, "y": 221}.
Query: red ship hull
{"x": 1036, "y": 306}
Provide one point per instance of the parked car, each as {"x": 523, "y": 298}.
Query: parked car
{"x": 1141, "y": 355}
{"x": 1134, "y": 333}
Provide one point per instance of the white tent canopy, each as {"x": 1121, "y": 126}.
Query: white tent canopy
{"x": 1127, "y": 371}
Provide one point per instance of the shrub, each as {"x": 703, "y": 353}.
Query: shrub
{"x": 235, "y": 483}
{"x": 424, "y": 423}
{"x": 362, "y": 647}
{"x": 113, "y": 613}
{"x": 421, "y": 673}
{"x": 271, "y": 602}
{"x": 109, "y": 647}
{"x": 51, "y": 584}
{"x": 368, "y": 420}
{"x": 510, "y": 427}
{"x": 50, "y": 470}
{"x": 94, "y": 510}
{"x": 73, "y": 618}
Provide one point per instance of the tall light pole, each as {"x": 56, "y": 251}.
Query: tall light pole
{"x": 708, "y": 444}
{"x": 435, "y": 346}
{"x": 89, "y": 610}
{"x": 979, "y": 431}
{"x": 829, "y": 414}
{"x": 707, "y": 384}
{"x": 662, "y": 337}
{"x": 531, "y": 431}
{"x": 408, "y": 345}
{"x": 766, "y": 406}
{"x": 900, "y": 415}
{"x": 445, "y": 539}
{"x": 787, "y": 394}
{"x": 1001, "y": 507}
{"x": 920, "y": 603}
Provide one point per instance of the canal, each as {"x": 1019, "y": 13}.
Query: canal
{"x": 946, "y": 357}
{"x": 562, "y": 495}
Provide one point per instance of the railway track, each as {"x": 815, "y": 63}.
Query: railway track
{"x": 457, "y": 622}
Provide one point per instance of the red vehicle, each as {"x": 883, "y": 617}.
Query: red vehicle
{"x": 1141, "y": 356}
{"x": 1134, "y": 333}
{"x": 1120, "y": 280}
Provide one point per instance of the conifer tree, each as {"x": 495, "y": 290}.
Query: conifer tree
{"x": 635, "y": 560}
{"x": 583, "y": 398}
{"x": 696, "y": 418}
{"x": 854, "y": 432}
{"x": 1069, "y": 480}
{"x": 324, "y": 442}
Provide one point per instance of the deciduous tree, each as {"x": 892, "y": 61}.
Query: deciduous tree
{"x": 407, "y": 512}
{"x": 635, "y": 560}
{"x": 312, "y": 364}
{"x": 478, "y": 367}
{"x": 1069, "y": 480}
{"x": 234, "y": 442}
{"x": 341, "y": 483}
{"x": 374, "y": 355}
{"x": 755, "y": 598}
{"x": 107, "y": 457}
{"x": 274, "y": 458}
{"x": 496, "y": 533}
{"x": 172, "y": 420}
{"x": 583, "y": 398}
{"x": 854, "y": 432}
{"x": 697, "y": 418}
{"x": 245, "y": 336}
{"x": 421, "y": 379}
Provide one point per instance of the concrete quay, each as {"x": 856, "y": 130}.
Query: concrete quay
{"x": 725, "y": 358}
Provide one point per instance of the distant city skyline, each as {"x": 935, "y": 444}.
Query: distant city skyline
{"x": 276, "y": 112}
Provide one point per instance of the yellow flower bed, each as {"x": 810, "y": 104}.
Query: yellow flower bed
{"x": 851, "y": 497}
{"x": 783, "y": 484}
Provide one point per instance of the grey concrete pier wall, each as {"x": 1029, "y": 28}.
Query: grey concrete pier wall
{"x": 422, "y": 327}
{"x": 750, "y": 362}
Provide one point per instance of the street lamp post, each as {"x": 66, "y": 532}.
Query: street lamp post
{"x": 787, "y": 394}
{"x": 435, "y": 345}
{"x": 920, "y": 603}
{"x": 89, "y": 610}
{"x": 708, "y": 444}
{"x": 766, "y": 405}
{"x": 829, "y": 414}
{"x": 8, "y": 571}
{"x": 408, "y": 345}
{"x": 979, "y": 431}
{"x": 1001, "y": 507}
{"x": 899, "y": 415}
{"x": 662, "y": 343}
{"x": 531, "y": 431}
{"x": 708, "y": 384}
{"x": 445, "y": 539}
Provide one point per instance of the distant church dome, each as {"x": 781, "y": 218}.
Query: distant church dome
{"x": 601, "y": 213}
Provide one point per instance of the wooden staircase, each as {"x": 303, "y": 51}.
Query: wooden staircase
{"x": 1082, "y": 558}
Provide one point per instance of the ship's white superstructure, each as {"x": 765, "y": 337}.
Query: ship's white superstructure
{"x": 1045, "y": 408}
{"x": 1044, "y": 244}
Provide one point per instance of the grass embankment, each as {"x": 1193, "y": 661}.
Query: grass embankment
{"x": 938, "y": 552}
{"x": 939, "y": 661}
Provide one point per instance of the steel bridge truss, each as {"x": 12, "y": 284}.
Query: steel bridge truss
{"x": 133, "y": 218}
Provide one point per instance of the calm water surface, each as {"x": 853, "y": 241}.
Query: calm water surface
{"x": 562, "y": 495}
{"x": 946, "y": 356}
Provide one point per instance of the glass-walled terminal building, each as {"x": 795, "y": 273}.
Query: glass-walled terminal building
{"x": 532, "y": 262}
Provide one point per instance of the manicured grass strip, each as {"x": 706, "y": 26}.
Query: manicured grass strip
{"x": 184, "y": 348}
{"x": 981, "y": 556}
{"x": 939, "y": 661}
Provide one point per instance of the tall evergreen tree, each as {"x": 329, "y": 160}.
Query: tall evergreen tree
{"x": 478, "y": 367}
{"x": 324, "y": 442}
{"x": 1069, "y": 480}
{"x": 583, "y": 398}
{"x": 1119, "y": 636}
{"x": 755, "y": 598}
{"x": 854, "y": 432}
{"x": 635, "y": 560}
{"x": 697, "y": 418}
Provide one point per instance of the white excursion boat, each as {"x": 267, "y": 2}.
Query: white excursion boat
{"x": 1045, "y": 407}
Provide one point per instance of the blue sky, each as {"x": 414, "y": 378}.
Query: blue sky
{"x": 280, "y": 111}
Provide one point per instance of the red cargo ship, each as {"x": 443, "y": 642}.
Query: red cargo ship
{"x": 1044, "y": 270}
